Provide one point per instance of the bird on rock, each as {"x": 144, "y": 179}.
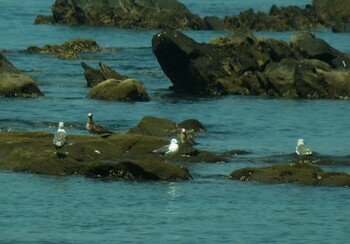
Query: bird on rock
{"x": 168, "y": 150}
{"x": 96, "y": 129}
{"x": 302, "y": 149}
{"x": 60, "y": 139}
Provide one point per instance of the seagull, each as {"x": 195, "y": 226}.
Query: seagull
{"x": 168, "y": 150}
{"x": 185, "y": 138}
{"x": 95, "y": 128}
{"x": 60, "y": 139}
{"x": 302, "y": 149}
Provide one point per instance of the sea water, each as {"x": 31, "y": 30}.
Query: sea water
{"x": 208, "y": 209}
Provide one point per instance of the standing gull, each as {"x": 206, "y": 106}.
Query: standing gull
{"x": 95, "y": 128}
{"x": 302, "y": 149}
{"x": 168, "y": 150}
{"x": 60, "y": 139}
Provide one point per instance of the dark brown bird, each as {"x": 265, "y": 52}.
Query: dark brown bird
{"x": 94, "y": 128}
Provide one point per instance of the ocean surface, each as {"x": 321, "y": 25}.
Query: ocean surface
{"x": 208, "y": 209}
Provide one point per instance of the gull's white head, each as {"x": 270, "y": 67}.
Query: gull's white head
{"x": 300, "y": 142}
{"x": 183, "y": 130}
{"x": 173, "y": 141}
{"x": 60, "y": 125}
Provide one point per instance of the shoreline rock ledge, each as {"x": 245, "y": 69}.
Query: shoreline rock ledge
{"x": 15, "y": 83}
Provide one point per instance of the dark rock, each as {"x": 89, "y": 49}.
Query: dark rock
{"x": 340, "y": 27}
{"x": 15, "y": 83}
{"x": 311, "y": 47}
{"x": 241, "y": 64}
{"x": 183, "y": 60}
{"x": 278, "y": 19}
{"x": 68, "y": 50}
{"x": 125, "y": 90}
{"x": 213, "y": 23}
{"x": 149, "y": 14}
{"x": 96, "y": 76}
{"x": 328, "y": 11}
{"x": 301, "y": 173}
{"x": 193, "y": 125}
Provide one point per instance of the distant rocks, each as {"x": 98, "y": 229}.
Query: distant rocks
{"x": 172, "y": 15}
{"x": 15, "y": 83}
{"x": 68, "y": 50}
{"x": 149, "y": 14}
{"x": 299, "y": 173}
{"x": 241, "y": 64}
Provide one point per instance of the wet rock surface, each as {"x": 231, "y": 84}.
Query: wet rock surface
{"x": 15, "y": 83}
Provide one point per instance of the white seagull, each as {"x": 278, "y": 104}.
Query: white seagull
{"x": 168, "y": 150}
{"x": 61, "y": 138}
{"x": 302, "y": 149}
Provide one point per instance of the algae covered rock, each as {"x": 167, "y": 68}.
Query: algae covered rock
{"x": 67, "y": 50}
{"x": 15, "y": 83}
{"x": 302, "y": 173}
{"x": 119, "y": 90}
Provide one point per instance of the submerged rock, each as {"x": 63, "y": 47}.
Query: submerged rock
{"x": 68, "y": 50}
{"x": 119, "y": 90}
{"x": 15, "y": 83}
{"x": 301, "y": 173}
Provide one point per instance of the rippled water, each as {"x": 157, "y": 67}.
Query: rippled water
{"x": 208, "y": 209}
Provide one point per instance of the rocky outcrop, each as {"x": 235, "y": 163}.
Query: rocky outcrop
{"x": 332, "y": 11}
{"x": 119, "y": 156}
{"x": 96, "y": 76}
{"x": 15, "y": 83}
{"x": 163, "y": 127}
{"x": 68, "y": 50}
{"x": 300, "y": 173}
{"x": 278, "y": 19}
{"x": 149, "y": 14}
{"x": 242, "y": 64}
{"x": 119, "y": 90}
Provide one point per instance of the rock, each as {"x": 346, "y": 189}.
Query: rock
{"x": 15, "y": 83}
{"x": 68, "y": 50}
{"x": 128, "y": 90}
{"x": 96, "y": 76}
{"x": 116, "y": 157}
{"x": 156, "y": 127}
{"x": 192, "y": 125}
{"x": 340, "y": 27}
{"x": 311, "y": 47}
{"x": 329, "y": 11}
{"x": 301, "y": 173}
{"x": 213, "y": 23}
{"x": 289, "y": 18}
{"x": 183, "y": 60}
{"x": 241, "y": 64}
{"x": 147, "y": 14}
